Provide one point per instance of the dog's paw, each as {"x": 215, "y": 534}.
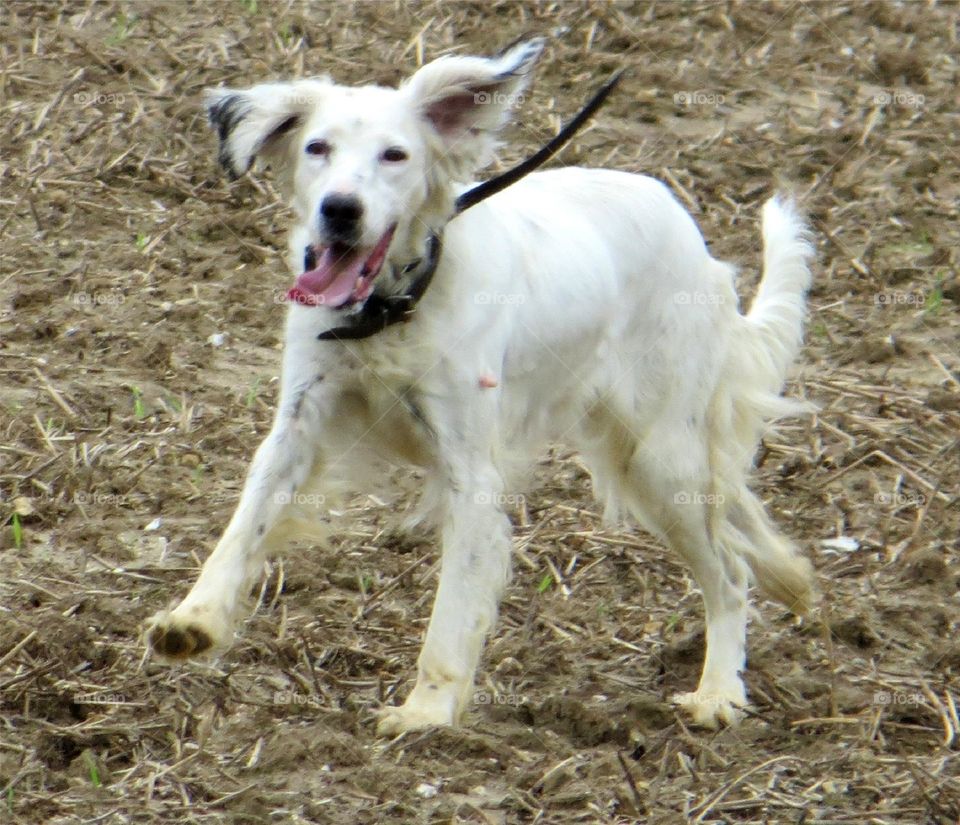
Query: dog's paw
{"x": 186, "y": 633}
{"x": 712, "y": 708}
{"x": 416, "y": 714}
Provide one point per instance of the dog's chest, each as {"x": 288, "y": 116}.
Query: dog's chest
{"x": 385, "y": 396}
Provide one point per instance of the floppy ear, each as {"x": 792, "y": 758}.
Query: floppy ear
{"x": 466, "y": 100}
{"x": 258, "y": 122}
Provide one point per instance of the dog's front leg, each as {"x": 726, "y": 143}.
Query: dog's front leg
{"x": 474, "y": 569}
{"x": 205, "y": 619}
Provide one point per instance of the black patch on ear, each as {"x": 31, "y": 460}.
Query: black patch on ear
{"x": 525, "y": 39}
{"x": 225, "y": 116}
{"x": 516, "y": 42}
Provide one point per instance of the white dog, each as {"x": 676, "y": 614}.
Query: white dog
{"x": 578, "y": 304}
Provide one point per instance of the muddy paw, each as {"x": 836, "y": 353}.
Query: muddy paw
{"x": 176, "y": 637}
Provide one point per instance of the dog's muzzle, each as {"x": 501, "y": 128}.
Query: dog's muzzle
{"x": 339, "y": 274}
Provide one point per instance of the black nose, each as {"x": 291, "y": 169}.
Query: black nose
{"x": 341, "y": 213}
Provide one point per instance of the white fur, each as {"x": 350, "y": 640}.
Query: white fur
{"x": 587, "y": 296}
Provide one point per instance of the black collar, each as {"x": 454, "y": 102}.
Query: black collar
{"x": 382, "y": 311}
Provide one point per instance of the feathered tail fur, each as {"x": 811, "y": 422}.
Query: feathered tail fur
{"x": 769, "y": 338}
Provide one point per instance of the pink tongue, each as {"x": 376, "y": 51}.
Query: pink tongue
{"x": 332, "y": 282}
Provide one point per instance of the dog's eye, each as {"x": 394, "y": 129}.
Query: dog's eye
{"x": 319, "y": 148}
{"x": 394, "y": 155}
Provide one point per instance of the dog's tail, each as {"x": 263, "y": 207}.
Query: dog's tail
{"x": 777, "y": 313}
{"x": 769, "y": 337}
{"x": 770, "y": 334}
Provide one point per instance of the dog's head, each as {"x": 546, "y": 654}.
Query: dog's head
{"x": 370, "y": 172}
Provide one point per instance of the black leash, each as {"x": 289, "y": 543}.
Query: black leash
{"x": 490, "y": 187}
{"x": 380, "y": 312}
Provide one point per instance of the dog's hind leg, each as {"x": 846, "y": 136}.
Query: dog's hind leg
{"x": 684, "y": 512}
{"x": 664, "y": 481}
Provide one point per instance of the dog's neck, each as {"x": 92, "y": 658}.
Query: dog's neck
{"x": 411, "y": 248}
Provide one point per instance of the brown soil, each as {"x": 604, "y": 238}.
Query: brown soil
{"x": 126, "y": 434}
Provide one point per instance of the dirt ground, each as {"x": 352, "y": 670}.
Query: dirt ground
{"x": 127, "y": 427}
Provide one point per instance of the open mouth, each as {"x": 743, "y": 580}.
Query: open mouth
{"x": 339, "y": 275}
